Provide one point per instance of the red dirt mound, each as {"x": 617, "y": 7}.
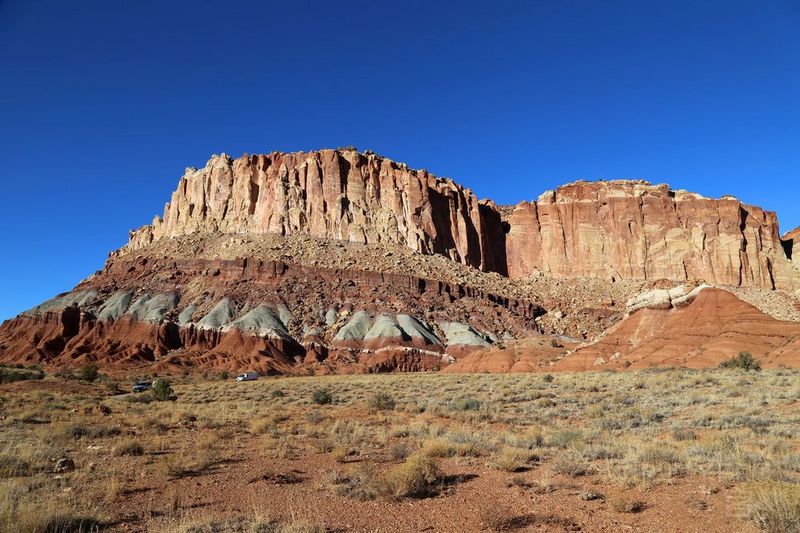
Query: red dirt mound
{"x": 714, "y": 327}
{"x": 525, "y": 355}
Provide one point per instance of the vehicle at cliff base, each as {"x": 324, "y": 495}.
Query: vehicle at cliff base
{"x": 247, "y": 376}
{"x": 141, "y": 386}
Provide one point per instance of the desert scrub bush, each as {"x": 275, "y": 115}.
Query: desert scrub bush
{"x": 656, "y": 453}
{"x": 474, "y": 444}
{"x": 177, "y": 465}
{"x": 341, "y": 453}
{"x": 570, "y": 463}
{"x": 321, "y": 397}
{"x": 743, "y": 361}
{"x": 564, "y": 438}
{"x": 266, "y": 424}
{"x": 418, "y": 477}
{"x": 399, "y": 451}
{"x": 79, "y": 431}
{"x": 683, "y": 434}
{"x": 162, "y": 391}
{"x": 438, "y": 448}
{"x": 359, "y": 483}
{"x": 88, "y": 373}
{"x": 12, "y": 466}
{"x": 603, "y": 450}
{"x": 466, "y": 404}
{"x": 381, "y": 401}
{"x": 127, "y": 447}
{"x": 625, "y": 503}
{"x": 349, "y": 433}
{"x": 511, "y": 460}
{"x": 9, "y": 376}
{"x": 756, "y": 424}
{"x": 531, "y": 439}
{"x": 772, "y": 506}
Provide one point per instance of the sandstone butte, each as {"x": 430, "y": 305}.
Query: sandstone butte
{"x": 342, "y": 261}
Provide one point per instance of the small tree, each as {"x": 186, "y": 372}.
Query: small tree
{"x": 162, "y": 391}
{"x": 88, "y": 373}
{"x": 743, "y": 361}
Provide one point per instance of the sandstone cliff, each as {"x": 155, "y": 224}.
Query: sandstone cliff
{"x": 333, "y": 194}
{"x": 340, "y": 261}
{"x": 612, "y": 230}
{"x": 791, "y": 243}
{"x": 634, "y": 230}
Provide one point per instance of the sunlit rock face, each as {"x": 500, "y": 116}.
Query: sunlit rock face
{"x": 334, "y": 194}
{"x": 634, "y": 230}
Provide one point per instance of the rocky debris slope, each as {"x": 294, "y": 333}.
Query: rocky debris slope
{"x": 314, "y": 252}
{"x": 690, "y": 326}
{"x": 533, "y": 354}
{"x": 623, "y": 230}
{"x": 183, "y": 310}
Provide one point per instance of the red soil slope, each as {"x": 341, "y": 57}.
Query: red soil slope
{"x": 714, "y": 327}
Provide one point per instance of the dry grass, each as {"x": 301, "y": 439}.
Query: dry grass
{"x": 392, "y": 436}
{"x": 418, "y": 477}
{"x": 511, "y": 459}
{"x": 625, "y": 503}
{"x": 128, "y": 447}
{"x": 773, "y": 505}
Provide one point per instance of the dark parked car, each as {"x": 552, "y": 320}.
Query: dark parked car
{"x": 141, "y": 386}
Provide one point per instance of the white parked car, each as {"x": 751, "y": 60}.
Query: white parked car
{"x": 247, "y": 376}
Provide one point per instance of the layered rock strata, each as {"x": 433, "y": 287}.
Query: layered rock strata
{"x": 621, "y": 230}
{"x": 615, "y": 230}
{"x": 333, "y": 194}
{"x": 340, "y": 261}
{"x": 701, "y": 331}
{"x": 269, "y": 316}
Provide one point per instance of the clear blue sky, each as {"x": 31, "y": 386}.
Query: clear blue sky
{"x": 104, "y": 103}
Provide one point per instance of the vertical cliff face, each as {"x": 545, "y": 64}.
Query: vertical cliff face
{"x": 612, "y": 230}
{"x": 634, "y": 230}
{"x": 791, "y": 244}
{"x": 335, "y": 194}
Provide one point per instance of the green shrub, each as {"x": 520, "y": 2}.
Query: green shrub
{"x": 88, "y": 373}
{"x": 321, "y": 397}
{"x": 162, "y": 391}
{"x": 9, "y": 376}
{"x": 224, "y": 375}
{"x": 467, "y": 404}
{"x": 743, "y": 361}
{"x": 381, "y": 401}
